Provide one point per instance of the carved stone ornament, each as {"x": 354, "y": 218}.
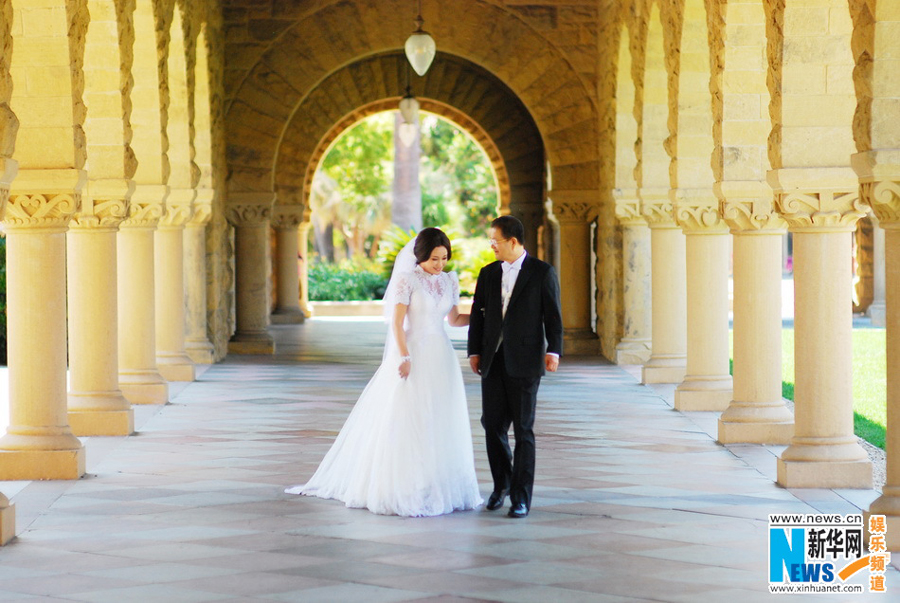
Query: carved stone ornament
{"x": 822, "y": 211}
{"x": 106, "y": 214}
{"x": 248, "y": 214}
{"x": 658, "y": 211}
{"x": 884, "y": 198}
{"x": 203, "y": 203}
{"x": 574, "y": 211}
{"x": 751, "y": 215}
{"x": 628, "y": 212}
{"x": 201, "y": 215}
{"x": 177, "y": 214}
{"x": 143, "y": 214}
{"x": 287, "y": 218}
{"x": 36, "y": 211}
{"x": 700, "y": 218}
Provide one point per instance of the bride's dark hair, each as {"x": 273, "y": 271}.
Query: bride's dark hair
{"x": 427, "y": 241}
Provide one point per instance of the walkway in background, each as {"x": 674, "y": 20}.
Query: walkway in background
{"x": 633, "y": 500}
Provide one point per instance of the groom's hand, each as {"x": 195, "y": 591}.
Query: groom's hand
{"x": 475, "y": 363}
{"x": 551, "y": 362}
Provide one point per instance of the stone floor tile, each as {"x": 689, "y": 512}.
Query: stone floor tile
{"x": 158, "y": 572}
{"x": 633, "y": 500}
{"x": 148, "y": 592}
{"x": 347, "y": 592}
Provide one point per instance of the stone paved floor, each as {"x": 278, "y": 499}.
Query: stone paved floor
{"x": 633, "y": 501}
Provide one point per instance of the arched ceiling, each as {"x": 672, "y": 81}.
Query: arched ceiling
{"x": 280, "y": 56}
{"x": 452, "y": 88}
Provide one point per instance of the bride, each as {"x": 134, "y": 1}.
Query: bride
{"x": 406, "y": 448}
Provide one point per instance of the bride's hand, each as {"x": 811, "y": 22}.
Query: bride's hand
{"x": 405, "y": 365}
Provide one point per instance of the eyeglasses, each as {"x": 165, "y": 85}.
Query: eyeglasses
{"x": 495, "y": 241}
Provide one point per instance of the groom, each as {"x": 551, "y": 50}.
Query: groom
{"x": 515, "y": 333}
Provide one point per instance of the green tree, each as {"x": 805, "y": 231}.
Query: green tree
{"x": 358, "y": 169}
{"x": 457, "y": 173}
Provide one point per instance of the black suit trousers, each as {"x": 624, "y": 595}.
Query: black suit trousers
{"x": 509, "y": 400}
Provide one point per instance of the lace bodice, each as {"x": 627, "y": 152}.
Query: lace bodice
{"x": 430, "y": 298}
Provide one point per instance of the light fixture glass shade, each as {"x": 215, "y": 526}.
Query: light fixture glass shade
{"x": 409, "y": 109}
{"x": 407, "y": 134}
{"x": 420, "y": 49}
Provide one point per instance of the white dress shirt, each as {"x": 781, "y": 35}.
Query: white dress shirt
{"x": 508, "y": 282}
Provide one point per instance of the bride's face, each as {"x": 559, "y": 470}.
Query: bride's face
{"x": 436, "y": 262}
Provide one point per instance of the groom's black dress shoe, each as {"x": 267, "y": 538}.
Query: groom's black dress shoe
{"x": 495, "y": 501}
{"x": 518, "y": 511}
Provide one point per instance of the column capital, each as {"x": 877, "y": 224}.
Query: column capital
{"x": 27, "y": 211}
{"x": 884, "y": 198}
{"x": 249, "y": 209}
{"x": 203, "y": 202}
{"x": 879, "y": 175}
{"x": 287, "y": 217}
{"x": 179, "y": 208}
{"x": 574, "y": 206}
{"x": 146, "y": 207}
{"x": 697, "y": 212}
{"x": 628, "y": 207}
{"x": 44, "y": 199}
{"x": 105, "y": 205}
{"x": 656, "y": 207}
{"x": 748, "y": 207}
{"x": 818, "y": 199}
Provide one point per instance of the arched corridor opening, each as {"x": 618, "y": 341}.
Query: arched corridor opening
{"x": 148, "y": 148}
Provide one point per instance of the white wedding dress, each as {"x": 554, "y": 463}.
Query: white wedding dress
{"x": 406, "y": 448}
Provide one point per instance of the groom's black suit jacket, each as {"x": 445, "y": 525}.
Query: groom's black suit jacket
{"x": 532, "y": 325}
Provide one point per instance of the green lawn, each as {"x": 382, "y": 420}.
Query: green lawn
{"x": 869, "y": 381}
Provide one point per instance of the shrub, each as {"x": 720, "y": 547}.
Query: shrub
{"x": 347, "y": 281}
{"x": 469, "y": 255}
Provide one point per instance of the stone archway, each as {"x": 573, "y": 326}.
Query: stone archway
{"x": 490, "y": 148}
{"x": 282, "y": 60}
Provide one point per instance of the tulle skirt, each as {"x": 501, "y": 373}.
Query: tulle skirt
{"x": 406, "y": 447}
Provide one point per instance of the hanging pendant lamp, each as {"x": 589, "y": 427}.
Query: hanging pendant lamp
{"x": 420, "y": 46}
{"x": 409, "y": 108}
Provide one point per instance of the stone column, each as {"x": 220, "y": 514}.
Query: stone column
{"x": 668, "y": 358}
{"x": 39, "y": 443}
{"x": 707, "y": 384}
{"x": 171, "y": 359}
{"x": 821, "y": 206}
{"x": 8, "y": 169}
{"x": 250, "y": 213}
{"x": 879, "y": 173}
{"x": 97, "y": 406}
{"x": 139, "y": 378}
{"x": 574, "y": 210}
{"x": 635, "y": 346}
{"x": 757, "y": 413}
{"x": 196, "y": 343}
{"x": 286, "y": 222}
{"x": 302, "y": 249}
{"x": 877, "y": 310}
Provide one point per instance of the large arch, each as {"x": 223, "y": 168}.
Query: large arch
{"x": 298, "y": 55}
{"x": 457, "y": 90}
{"x": 460, "y": 119}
